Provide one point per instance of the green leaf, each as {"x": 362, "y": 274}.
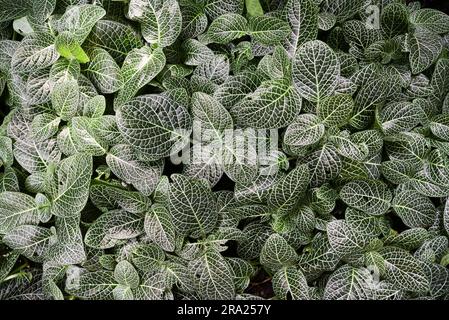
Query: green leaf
{"x": 69, "y": 48}
{"x": 372, "y": 197}
{"x": 254, "y": 8}
{"x": 315, "y": 71}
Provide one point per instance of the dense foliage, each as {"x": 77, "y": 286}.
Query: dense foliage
{"x": 133, "y": 136}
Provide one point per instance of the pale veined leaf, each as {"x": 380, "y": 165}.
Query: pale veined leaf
{"x": 107, "y": 196}
{"x": 124, "y": 163}
{"x": 227, "y": 28}
{"x": 161, "y": 21}
{"x": 277, "y": 253}
{"x": 286, "y": 193}
{"x": 95, "y": 107}
{"x": 349, "y": 283}
{"x": 319, "y": 257}
{"x": 65, "y": 99}
{"x": 372, "y": 197}
{"x": 139, "y": 68}
{"x": 31, "y": 241}
{"x": 430, "y": 19}
{"x": 326, "y": 21}
{"x": 268, "y": 30}
{"x": 69, "y": 247}
{"x": 79, "y": 20}
{"x": 120, "y": 40}
{"x": 347, "y": 148}
{"x": 362, "y": 224}
{"x": 215, "y": 69}
{"x": 307, "y": 129}
{"x": 159, "y": 227}
{"x": 44, "y": 126}
{"x": 147, "y": 257}
{"x": 34, "y": 53}
{"x": 404, "y": 271}
{"x": 315, "y": 70}
{"x": 216, "y": 8}
{"x": 324, "y": 164}
{"x": 394, "y": 20}
{"x": 155, "y": 125}
{"x": 97, "y": 285}
{"x": 6, "y": 155}
{"x": 104, "y": 71}
{"x": 192, "y": 206}
{"x": 112, "y": 227}
{"x": 274, "y": 104}
{"x": 237, "y": 87}
{"x": 214, "y": 276}
{"x": 17, "y": 209}
{"x": 74, "y": 175}
{"x": 414, "y": 209}
{"x": 398, "y": 117}
{"x": 425, "y": 48}
{"x": 343, "y": 9}
{"x": 196, "y": 52}
{"x": 344, "y": 240}
{"x": 289, "y": 281}
{"x": 84, "y": 136}
{"x": 336, "y": 110}
{"x": 126, "y": 275}
{"x": 255, "y": 235}
{"x": 194, "y": 20}
{"x": 9, "y": 180}
{"x": 439, "y": 126}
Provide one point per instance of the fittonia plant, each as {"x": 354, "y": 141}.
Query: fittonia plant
{"x": 163, "y": 149}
